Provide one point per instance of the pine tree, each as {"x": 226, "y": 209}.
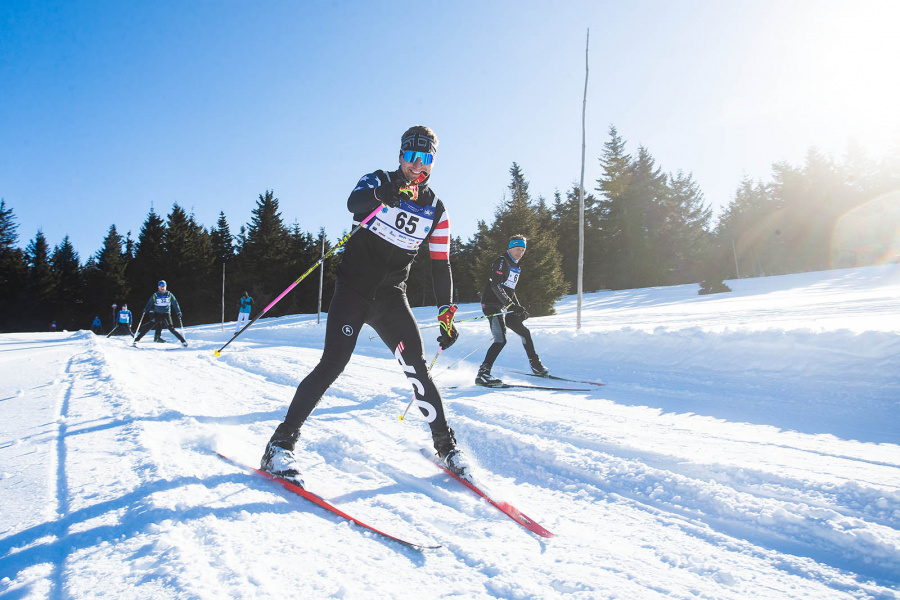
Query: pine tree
{"x": 13, "y": 271}
{"x": 685, "y": 236}
{"x": 463, "y": 265}
{"x": 222, "y": 241}
{"x": 39, "y": 287}
{"x": 105, "y": 274}
{"x": 743, "y": 231}
{"x": 146, "y": 268}
{"x": 303, "y": 250}
{"x": 188, "y": 266}
{"x": 612, "y": 214}
{"x": 565, "y": 226}
{"x": 69, "y": 287}
{"x": 265, "y": 252}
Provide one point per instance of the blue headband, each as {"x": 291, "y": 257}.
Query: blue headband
{"x": 515, "y": 243}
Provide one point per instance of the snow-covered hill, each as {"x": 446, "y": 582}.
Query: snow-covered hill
{"x": 746, "y": 445}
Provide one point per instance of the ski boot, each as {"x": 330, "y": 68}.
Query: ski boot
{"x": 485, "y": 378}
{"x": 450, "y": 455}
{"x": 184, "y": 344}
{"x": 278, "y": 459}
{"x": 537, "y": 368}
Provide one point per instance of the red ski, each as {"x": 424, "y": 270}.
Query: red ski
{"x": 291, "y": 487}
{"x": 508, "y": 509}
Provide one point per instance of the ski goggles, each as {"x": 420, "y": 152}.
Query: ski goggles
{"x": 411, "y": 156}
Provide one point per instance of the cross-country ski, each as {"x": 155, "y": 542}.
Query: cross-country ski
{"x": 505, "y": 507}
{"x": 322, "y": 503}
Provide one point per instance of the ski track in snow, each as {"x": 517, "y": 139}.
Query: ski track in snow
{"x": 745, "y": 446}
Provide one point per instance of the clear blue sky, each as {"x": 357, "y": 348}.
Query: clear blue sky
{"x": 109, "y": 106}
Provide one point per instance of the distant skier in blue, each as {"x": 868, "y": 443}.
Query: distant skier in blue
{"x": 244, "y": 312}
{"x": 159, "y": 307}
{"x": 97, "y": 326}
{"x": 123, "y": 322}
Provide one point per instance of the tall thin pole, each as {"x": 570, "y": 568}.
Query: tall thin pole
{"x": 223, "y": 295}
{"x": 321, "y": 280}
{"x": 737, "y": 269}
{"x": 581, "y": 190}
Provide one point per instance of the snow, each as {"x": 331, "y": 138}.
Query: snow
{"x": 746, "y": 445}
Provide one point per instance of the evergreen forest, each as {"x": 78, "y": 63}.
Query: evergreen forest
{"x": 643, "y": 227}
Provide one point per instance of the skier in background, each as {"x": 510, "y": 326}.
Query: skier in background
{"x": 244, "y": 312}
{"x": 97, "y": 326}
{"x": 123, "y": 322}
{"x": 500, "y": 295}
{"x": 370, "y": 288}
{"x": 159, "y": 307}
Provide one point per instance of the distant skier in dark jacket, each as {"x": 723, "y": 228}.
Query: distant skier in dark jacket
{"x": 159, "y": 308}
{"x": 246, "y": 305}
{"x": 123, "y": 323}
{"x": 370, "y": 288}
{"x": 500, "y": 295}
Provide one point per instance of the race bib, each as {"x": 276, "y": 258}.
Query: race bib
{"x": 513, "y": 278}
{"x": 405, "y": 226}
{"x": 162, "y": 301}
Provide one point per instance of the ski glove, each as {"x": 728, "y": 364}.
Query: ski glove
{"x": 392, "y": 193}
{"x": 449, "y": 333}
{"x": 389, "y": 193}
{"x": 519, "y": 311}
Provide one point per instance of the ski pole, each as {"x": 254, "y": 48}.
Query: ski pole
{"x": 478, "y": 347}
{"x": 181, "y": 324}
{"x": 339, "y": 245}
{"x": 502, "y": 312}
{"x": 138, "y": 330}
{"x": 372, "y": 337}
{"x": 408, "y": 406}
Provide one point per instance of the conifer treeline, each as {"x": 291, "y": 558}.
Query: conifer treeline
{"x": 643, "y": 228}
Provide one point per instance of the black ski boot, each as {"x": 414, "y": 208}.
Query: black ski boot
{"x": 537, "y": 368}
{"x": 450, "y": 455}
{"x": 278, "y": 459}
{"x": 484, "y": 378}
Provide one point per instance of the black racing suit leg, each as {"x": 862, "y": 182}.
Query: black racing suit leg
{"x": 498, "y": 330}
{"x": 395, "y": 324}
{"x": 171, "y": 327}
{"x": 144, "y": 329}
{"x": 346, "y": 315}
{"x": 515, "y": 323}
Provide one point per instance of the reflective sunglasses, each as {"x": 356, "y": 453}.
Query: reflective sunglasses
{"x": 412, "y": 155}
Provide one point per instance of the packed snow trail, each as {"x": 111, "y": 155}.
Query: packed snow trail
{"x": 745, "y": 446}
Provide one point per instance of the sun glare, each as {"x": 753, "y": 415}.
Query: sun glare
{"x": 846, "y": 70}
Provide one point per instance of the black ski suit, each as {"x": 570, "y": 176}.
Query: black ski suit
{"x": 370, "y": 288}
{"x": 160, "y": 307}
{"x": 500, "y": 292}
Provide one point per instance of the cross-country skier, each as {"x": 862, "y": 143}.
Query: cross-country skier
{"x": 500, "y": 295}
{"x": 159, "y": 308}
{"x": 123, "y": 322}
{"x": 370, "y": 288}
